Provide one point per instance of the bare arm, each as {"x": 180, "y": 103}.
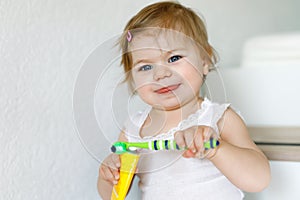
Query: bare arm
{"x": 237, "y": 156}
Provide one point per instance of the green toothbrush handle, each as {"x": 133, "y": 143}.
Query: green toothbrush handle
{"x": 123, "y": 147}
{"x": 168, "y": 145}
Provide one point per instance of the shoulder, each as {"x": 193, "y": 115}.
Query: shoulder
{"x": 231, "y": 119}
{"x": 233, "y": 129}
{"x": 228, "y": 113}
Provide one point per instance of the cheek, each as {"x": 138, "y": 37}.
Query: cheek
{"x": 191, "y": 74}
{"x": 136, "y": 80}
{"x": 193, "y": 79}
{"x": 145, "y": 93}
{"x": 143, "y": 88}
{"x": 142, "y": 80}
{"x": 141, "y": 84}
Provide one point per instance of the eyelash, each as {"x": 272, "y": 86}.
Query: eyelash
{"x": 143, "y": 68}
{"x": 177, "y": 58}
{"x": 170, "y": 60}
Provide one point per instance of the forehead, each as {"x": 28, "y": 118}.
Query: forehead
{"x": 159, "y": 40}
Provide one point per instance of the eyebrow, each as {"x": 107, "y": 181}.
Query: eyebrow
{"x": 150, "y": 61}
{"x": 142, "y": 61}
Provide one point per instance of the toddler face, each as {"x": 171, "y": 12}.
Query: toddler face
{"x": 167, "y": 68}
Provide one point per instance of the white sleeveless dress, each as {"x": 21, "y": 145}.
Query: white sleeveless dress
{"x": 167, "y": 175}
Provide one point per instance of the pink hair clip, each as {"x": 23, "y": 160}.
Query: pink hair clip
{"x": 129, "y": 36}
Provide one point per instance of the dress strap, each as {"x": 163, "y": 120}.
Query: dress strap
{"x": 209, "y": 115}
{"x": 133, "y": 124}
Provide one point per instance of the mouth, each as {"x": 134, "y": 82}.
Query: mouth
{"x": 167, "y": 89}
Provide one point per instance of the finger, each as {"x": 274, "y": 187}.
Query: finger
{"x": 189, "y": 137}
{"x": 116, "y": 166}
{"x": 116, "y": 175}
{"x": 116, "y": 160}
{"x": 188, "y": 154}
{"x": 110, "y": 167}
{"x": 207, "y": 134}
{"x": 214, "y": 134}
{"x": 107, "y": 174}
{"x": 179, "y": 139}
{"x": 111, "y": 161}
{"x": 199, "y": 140}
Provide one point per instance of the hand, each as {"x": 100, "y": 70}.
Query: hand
{"x": 109, "y": 169}
{"x": 193, "y": 138}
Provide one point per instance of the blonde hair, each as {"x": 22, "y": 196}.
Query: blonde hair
{"x": 166, "y": 15}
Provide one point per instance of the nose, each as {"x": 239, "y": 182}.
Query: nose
{"x": 161, "y": 72}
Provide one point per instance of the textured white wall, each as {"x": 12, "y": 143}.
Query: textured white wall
{"x": 42, "y": 45}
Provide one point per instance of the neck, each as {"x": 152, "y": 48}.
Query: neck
{"x": 180, "y": 112}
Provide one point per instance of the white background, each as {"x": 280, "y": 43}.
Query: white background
{"x": 42, "y": 46}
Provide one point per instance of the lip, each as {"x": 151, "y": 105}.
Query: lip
{"x": 167, "y": 89}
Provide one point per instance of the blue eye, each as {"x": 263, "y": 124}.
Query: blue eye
{"x": 145, "y": 67}
{"x": 174, "y": 59}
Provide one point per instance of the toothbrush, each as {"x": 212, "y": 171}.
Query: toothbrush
{"x": 123, "y": 147}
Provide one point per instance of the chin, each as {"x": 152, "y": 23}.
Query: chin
{"x": 170, "y": 108}
{"x": 167, "y": 106}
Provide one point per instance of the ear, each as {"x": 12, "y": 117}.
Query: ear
{"x": 205, "y": 68}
